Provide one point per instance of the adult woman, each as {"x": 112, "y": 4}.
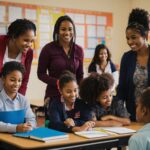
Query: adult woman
{"x": 16, "y": 46}
{"x": 135, "y": 67}
{"x": 101, "y": 62}
{"x": 59, "y": 55}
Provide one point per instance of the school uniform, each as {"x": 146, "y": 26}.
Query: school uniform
{"x": 19, "y": 103}
{"x": 141, "y": 140}
{"x": 58, "y": 113}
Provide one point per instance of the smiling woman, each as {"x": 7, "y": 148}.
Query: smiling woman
{"x": 61, "y": 54}
{"x": 16, "y": 46}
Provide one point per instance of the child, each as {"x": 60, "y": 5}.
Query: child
{"x": 65, "y": 114}
{"x": 141, "y": 140}
{"x": 97, "y": 91}
{"x": 12, "y": 101}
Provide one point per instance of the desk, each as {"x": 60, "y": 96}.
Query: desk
{"x": 74, "y": 141}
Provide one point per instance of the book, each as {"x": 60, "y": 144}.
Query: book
{"x": 118, "y": 130}
{"x": 92, "y": 134}
{"x": 13, "y": 117}
{"x": 43, "y": 134}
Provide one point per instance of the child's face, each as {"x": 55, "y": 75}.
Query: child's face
{"x": 70, "y": 92}
{"x": 12, "y": 82}
{"x": 105, "y": 98}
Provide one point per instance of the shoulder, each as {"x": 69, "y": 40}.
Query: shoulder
{"x": 50, "y": 46}
{"x": 138, "y": 141}
{"x": 55, "y": 102}
{"x": 129, "y": 54}
{"x": 78, "y": 49}
{"x": 113, "y": 66}
{"x": 23, "y": 100}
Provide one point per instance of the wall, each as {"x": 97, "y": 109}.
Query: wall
{"x": 120, "y": 10}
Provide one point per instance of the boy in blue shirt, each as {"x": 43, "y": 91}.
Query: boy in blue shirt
{"x": 11, "y": 100}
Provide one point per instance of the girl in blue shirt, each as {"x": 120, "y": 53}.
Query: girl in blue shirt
{"x": 66, "y": 114}
{"x": 141, "y": 140}
{"x": 12, "y": 102}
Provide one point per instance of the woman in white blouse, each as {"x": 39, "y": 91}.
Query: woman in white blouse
{"x": 101, "y": 62}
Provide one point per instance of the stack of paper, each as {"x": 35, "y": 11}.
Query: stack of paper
{"x": 92, "y": 134}
{"x": 43, "y": 134}
{"x": 119, "y": 130}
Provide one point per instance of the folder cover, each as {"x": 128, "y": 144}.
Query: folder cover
{"x": 13, "y": 117}
{"x": 43, "y": 134}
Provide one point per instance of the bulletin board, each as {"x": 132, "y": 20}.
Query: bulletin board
{"x": 92, "y": 27}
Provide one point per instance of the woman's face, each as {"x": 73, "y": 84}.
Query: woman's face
{"x": 103, "y": 55}
{"x": 135, "y": 40}
{"x": 105, "y": 98}
{"x": 25, "y": 41}
{"x": 66, "y": 32}
{"x": 70, "y": 92}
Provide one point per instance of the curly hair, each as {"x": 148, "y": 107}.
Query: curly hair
{"x": 19, "y": 27}
{"x": 92, "y": 86}
{"x": 12, "y": 66}
{"x": 140, "y": 16}
{"x": 145, "y": 98}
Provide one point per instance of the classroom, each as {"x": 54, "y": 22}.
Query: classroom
{"x": 110, "y": 19}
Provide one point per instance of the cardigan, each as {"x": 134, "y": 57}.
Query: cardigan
{"x": 110, "y": 68}
{"x": 53, "y": 61}
{"x": 57, "y": 114}
{"x": 126, "y": 88}
{"x": 26, "y": 60}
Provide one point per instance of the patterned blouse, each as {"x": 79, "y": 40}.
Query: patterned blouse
{"x": 117, "y": 109}
{"x": 140, "y": 79}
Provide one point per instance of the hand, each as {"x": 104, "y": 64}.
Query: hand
{"x": 24, "y": 127}
{"x": 87, "y": 126}
{"x": 69, "y": 122}
{"x": 108, "y": 117}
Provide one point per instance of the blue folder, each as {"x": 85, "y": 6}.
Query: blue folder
{"x": 13, "y": 117}
{"x": 43, "y": 134}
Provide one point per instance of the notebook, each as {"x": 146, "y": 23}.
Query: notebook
{"x": 92, "y": 134}
{"x": 42, "y": 134}
{"x": 13, "y": 117}
{"x": 118, "y": 130}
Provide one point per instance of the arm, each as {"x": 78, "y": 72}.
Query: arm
{"x": 107, "y": 123}
{"x": 7, "y": 127}
{"x": 29, "y": 115}
{"x": 43, "y": 63}
{"x": 56, "y": 118}
{"x": 27, "y": 65}
{"x": 122, "y": 78}
{"x": 123, "y": 121}
{"x": 79, "y": 73}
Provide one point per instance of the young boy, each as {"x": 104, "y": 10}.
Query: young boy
{"x": 12, "y": 102}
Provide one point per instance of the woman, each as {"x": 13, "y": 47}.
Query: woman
{"x": 16, "y": 46}
{"x": 59, "y": 55}
{"x": 101, "y": 62}
{"x": 135, "y": 67}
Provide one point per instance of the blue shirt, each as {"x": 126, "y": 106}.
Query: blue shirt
{"x": 20, "y": 102}
{"x": 141, "y": 140}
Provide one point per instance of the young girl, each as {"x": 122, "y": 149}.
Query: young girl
{"x": 96, "y": 91}
{"x": 141, "y": 140}
{"x": 12, "y": 102}
{"x": 102, "y": 63}
{"x": 65, "y": 114}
